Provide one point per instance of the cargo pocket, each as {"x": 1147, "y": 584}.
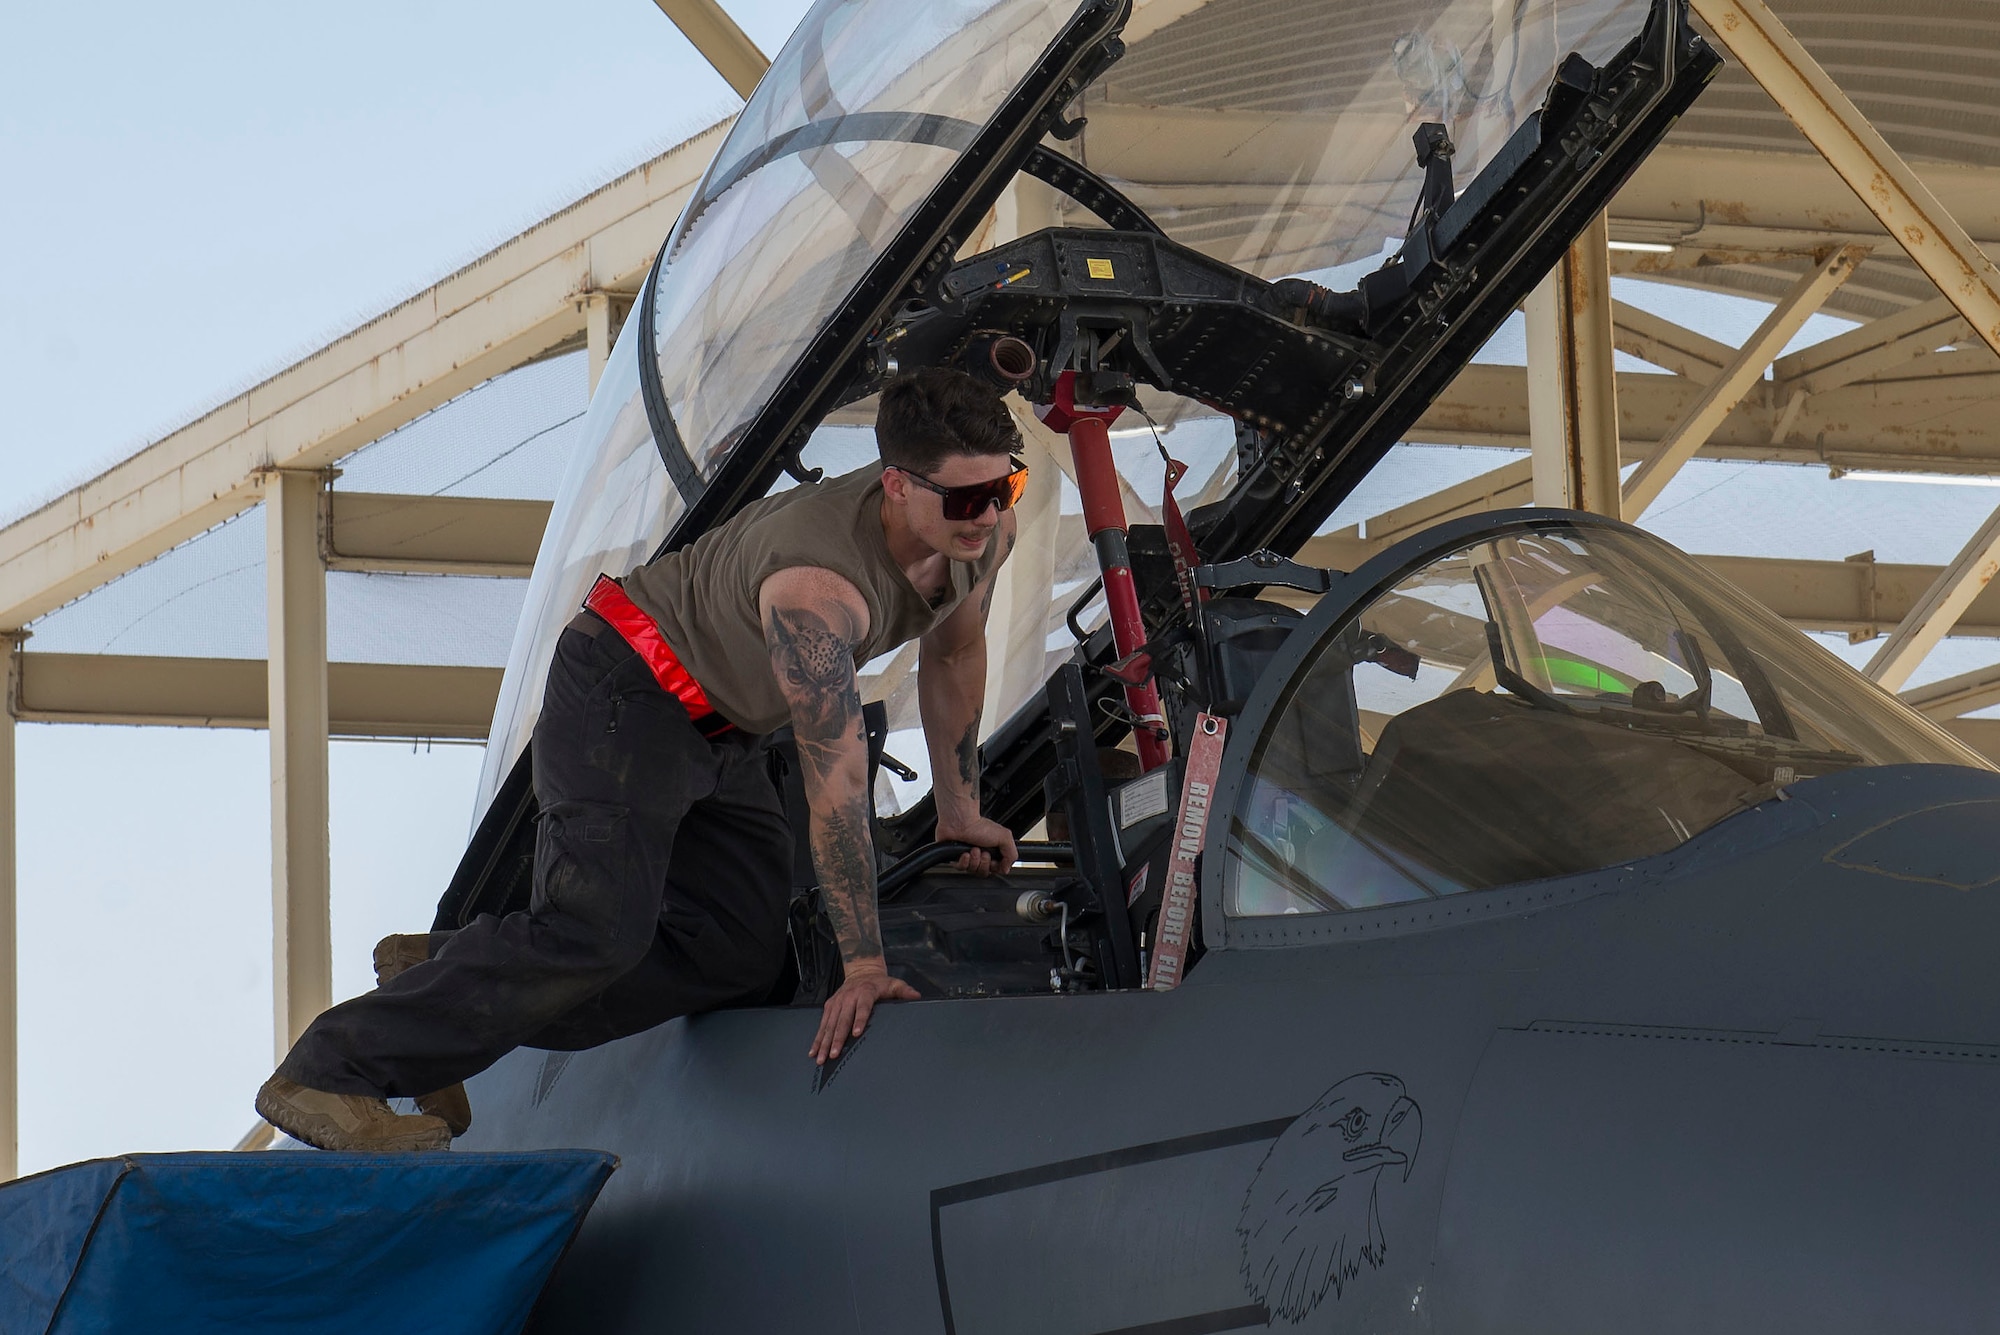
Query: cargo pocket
{"x": 589, "y": 870}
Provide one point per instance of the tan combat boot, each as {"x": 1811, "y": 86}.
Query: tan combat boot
{"x": 394, "y": 955}
{"x": 346, "y": 1121}
{"x": 397, "y": 954}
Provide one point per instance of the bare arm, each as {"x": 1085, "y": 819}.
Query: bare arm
{"x": 951, "y": 693}
{"x": 813, "y": 619}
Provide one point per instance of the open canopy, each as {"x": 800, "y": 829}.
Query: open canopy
{"x": 891, "y": 139}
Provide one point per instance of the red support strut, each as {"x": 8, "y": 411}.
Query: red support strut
{"x": 1104, "y": 519}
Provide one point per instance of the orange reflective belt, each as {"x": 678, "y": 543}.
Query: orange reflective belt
{"x": 609, "y": 600}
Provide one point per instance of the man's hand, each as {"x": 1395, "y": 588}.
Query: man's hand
{"x": 983, "y": 835}
{"x": 846, "y": 1013}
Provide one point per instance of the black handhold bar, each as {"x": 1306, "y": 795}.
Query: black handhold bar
{"x": 918, "y": 861}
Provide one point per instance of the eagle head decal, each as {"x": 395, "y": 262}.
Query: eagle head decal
{"x": 1310, "y": 1217}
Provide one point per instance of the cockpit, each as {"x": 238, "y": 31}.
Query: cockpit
{"x": 1547, "y": 699}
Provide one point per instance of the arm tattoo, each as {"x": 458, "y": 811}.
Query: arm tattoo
{"x": 967, "y": 751}
{"x": 841, "y": 845}
{"x": 814, "y": 664}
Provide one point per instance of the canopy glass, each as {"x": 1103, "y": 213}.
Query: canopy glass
{"x": 1545, "y": 702}
{"x": 1276, "y": 134}
{"x": 817, "y": 176}
{"x": 859, "y": 118}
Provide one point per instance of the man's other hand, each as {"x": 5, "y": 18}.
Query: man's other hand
{"x": 993, "y": 850}
{"x": 846, "y": 1012}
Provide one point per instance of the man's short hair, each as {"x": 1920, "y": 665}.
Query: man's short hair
{"x": 928, "y": 416}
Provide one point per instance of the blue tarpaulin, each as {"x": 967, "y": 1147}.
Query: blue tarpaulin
{"x": 445, "y": 1244}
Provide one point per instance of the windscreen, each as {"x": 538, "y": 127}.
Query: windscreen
{"x": 1543, "y": 703}
{"x": 859, "y": 117}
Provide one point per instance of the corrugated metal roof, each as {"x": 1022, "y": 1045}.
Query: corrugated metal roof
{"x": 1927, "y": 74}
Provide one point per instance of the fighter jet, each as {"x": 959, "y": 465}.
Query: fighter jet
{"x": 1522, "y": 931}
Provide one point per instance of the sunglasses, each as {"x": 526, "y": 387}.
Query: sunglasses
{"x": 970, "y": 501}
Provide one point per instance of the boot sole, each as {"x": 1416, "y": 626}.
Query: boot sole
{"x": 316, "y": 1131}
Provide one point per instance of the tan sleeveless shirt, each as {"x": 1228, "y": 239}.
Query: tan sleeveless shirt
{"x": 704, "y": 596}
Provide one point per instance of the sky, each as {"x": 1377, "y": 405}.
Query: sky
{"x": 198, "y": 193}
{"x": 194, "y": 196}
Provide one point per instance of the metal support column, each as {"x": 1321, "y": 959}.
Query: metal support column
{"x": 10, "y": 1047}
{"x": 301, "y": 870}
{"x": 1572, "y": 389}
{"x": 597, "y": 333}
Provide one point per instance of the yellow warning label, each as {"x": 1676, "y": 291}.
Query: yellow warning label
{"x": 1100, "y": 269}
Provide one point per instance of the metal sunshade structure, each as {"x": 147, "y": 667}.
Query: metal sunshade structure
{"x": 1736, "y": 202}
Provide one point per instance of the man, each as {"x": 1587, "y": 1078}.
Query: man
{"x": 663, "y": 858}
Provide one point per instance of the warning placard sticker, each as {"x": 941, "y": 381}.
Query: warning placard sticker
{"x": 1142, "y": 799}
{"x": 1204, "y": 761}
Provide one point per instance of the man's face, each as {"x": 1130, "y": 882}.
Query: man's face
{"x": 961, "y": 540}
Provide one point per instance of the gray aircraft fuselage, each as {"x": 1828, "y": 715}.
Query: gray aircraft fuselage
{"x": 1748, "y": 1085}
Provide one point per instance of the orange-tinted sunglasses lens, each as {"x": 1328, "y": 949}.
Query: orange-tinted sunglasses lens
{"x": 960, "y": 504}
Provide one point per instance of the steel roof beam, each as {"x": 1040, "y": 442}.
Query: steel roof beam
{"x": 1878, "y": 346}
{"x": 1934, "y": 615}
{"x": 1720, "y": 396}
{"x": 1655, "y": 339}
{"x": 721, "y": 43}
{"x": 604, "y": 315}
{"x": 364, "y": 700}
{"x": 1956, "y": 695}
{"x": 1855, "y": 597}
{"x": 1697, "y": 197}
{"x": 1876, "y": 173}
{"x": 434, "y": 535}
{"x": 1938, "y": 421}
